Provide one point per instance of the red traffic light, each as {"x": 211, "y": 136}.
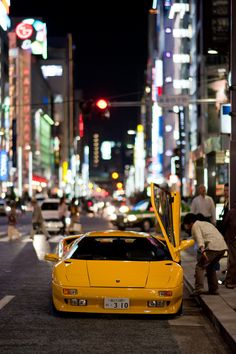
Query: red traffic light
{"x": 102, "y": 104}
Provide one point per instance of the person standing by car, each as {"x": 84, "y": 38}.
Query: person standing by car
{"x": 74, "y": 213}
{"x": 229, "y": 231}
{"x": 212, "y": 246}
{"x": 204, "y": 204}
{"x": 62, "y": 211}
{"x": 37, "y": 220}
{"x": 225, "y": 209}
{"x": 12, "y": 221}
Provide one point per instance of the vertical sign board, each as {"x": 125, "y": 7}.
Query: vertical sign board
{"x": 3, "y": 166}
{"x": 225, "y": 118}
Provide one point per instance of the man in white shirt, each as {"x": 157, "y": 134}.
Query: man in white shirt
{"x": 204, "y": 204}
{"x": 212, "y": 246}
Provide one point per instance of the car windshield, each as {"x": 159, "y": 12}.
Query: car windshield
{"x": 141, "y": 206}
{"x": 119, "y": 248}
{"x": 50, "y": 206}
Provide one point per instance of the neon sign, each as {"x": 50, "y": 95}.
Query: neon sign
{"x": 24, "y": 30}
{"x": 32, "y": 34}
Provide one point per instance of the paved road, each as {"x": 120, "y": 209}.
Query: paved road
{"x": 27, "y": 324}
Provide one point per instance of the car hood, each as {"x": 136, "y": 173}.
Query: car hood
{"x": 124, "y": 274}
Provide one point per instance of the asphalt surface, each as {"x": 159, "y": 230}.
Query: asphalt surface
{"x": 220, "y": 309}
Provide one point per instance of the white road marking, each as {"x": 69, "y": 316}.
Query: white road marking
{"x": 5, "y": 300}
{"x": 5, "y": 238}
{"x": 25, "y": 237}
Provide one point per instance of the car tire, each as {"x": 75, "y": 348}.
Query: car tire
{"x": 180, "y": 311}
{"x": 146, "y": 225}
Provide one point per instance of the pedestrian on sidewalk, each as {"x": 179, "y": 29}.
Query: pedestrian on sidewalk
{"x": 38, "y": 225}
{"x": 229, "y": 230}
{"x": 204, "y": 204}
{"x": 224, "y": 211}
{"x": 74, "y": 213}
{"x": 212, "y": 246}
{"x": 12, "y": 230}
{"x": 63, "y": 211}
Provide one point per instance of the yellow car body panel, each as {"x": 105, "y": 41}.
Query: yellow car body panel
{"x": 118, "y": 274}
{"x": 137, "y": 282}
{"x": 126, "y": 285}
{"x": 138, "y": 298}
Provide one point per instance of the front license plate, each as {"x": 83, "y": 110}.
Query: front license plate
{"x": 116, "y": 303}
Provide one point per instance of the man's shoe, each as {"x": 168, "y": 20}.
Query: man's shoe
{"x": 211, "y": 293}
{"x": 198, "y": 292}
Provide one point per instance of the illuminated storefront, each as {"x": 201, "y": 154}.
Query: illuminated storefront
{"x": 4, "y": 98}
{"x": 30, "y": 141}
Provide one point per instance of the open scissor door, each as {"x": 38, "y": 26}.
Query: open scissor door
{"x": 166, "y": 206}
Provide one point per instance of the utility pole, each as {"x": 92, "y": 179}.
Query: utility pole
{"x": 232, "y": 165}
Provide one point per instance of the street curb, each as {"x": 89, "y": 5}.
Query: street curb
{"x": 228, "y": 337}
{"x": 219, "y": 326}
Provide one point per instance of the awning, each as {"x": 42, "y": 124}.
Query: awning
{"x": 40, "y": 179}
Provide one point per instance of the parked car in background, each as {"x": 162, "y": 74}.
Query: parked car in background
{"x": 49, "y": 208}
{"x": 113, "y": 207}
{"x": 40, "y": 198}
{"x": 3, "y": 206}
{"x": 141, "y": 215}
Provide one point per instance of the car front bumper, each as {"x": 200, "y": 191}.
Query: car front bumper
{"x": 138, "y": 300}
{"x": 53, "y": 226}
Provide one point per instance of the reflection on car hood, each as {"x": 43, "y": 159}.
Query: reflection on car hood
{"x": 124, "y": 274}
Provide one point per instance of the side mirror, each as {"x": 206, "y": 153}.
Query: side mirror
{"x": 184, "y": 244}
{"x": 52, "y": 257}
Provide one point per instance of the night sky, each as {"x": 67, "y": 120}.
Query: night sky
{"x": 110, "y": 54}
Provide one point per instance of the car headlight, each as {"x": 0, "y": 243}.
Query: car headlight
{"x": 111, "y": 209}
{"x": 113, "y": 217}
{"x": 131, "y": 217}
{"x": 123, "y": 209}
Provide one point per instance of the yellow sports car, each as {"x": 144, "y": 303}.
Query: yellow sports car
{"x": 124, "y": 272}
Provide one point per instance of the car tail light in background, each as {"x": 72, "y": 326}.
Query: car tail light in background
{"x": 124, "y": 209}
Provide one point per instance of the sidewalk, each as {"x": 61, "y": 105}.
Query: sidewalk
{"x": 220, "y": 309}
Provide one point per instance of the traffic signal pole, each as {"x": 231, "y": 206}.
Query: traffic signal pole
{"x": 232, "y": 166}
